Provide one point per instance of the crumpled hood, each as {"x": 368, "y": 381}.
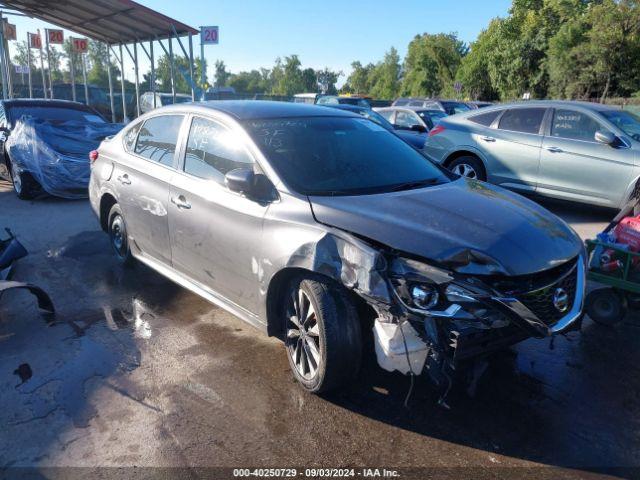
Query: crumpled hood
{"x": 465, "y": 225}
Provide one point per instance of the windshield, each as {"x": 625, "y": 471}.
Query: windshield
{"x": 628, "y": 122}
{"x": 341, "y": 156}
{"x": 434, "y": 115}
{"x": 375, "y": 117}
{"x": 56, "y": 114}
{"x": 455, "y": 107}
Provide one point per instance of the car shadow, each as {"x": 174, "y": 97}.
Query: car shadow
{"x": 571, "y": 402}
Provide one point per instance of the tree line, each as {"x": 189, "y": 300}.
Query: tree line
{"x": 575, "y": 49}
{"x": 578, "y": 49}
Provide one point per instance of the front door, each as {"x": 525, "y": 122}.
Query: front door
{"x": 143, "y": 180}
{"x": 576, "y": 167}
{"x": 216, "y": 233}
{"x": 514, "y": 148}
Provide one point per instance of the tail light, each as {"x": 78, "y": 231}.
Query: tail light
{"x": 93, "y": 155}
{"x": 436, "y": 130}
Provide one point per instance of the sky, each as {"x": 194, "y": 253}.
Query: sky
{"x": 331, "y": 33}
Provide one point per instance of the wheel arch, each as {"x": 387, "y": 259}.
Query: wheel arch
{"x": 462, "y": 153}
{"x": 107, "y": 201}
{"x": 277, "y": 287}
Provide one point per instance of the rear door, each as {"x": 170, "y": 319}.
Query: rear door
{"x": 142, "y": 181}
{"x": 513, "y": 147}
{"x": 576, "y": 167}
{"x": 216, "y": 233}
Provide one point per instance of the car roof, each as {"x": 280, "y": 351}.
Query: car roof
{"x": 554, "y": 103}
{"x": 252, "y": 109}
{"x": 41, "y": 102}
{"x": 409, "y": 107}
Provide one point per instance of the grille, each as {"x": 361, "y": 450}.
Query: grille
{"x": 540, "y": 301}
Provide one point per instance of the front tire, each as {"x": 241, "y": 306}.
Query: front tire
{"x": 323, "y": 338}
{"x": 25, "y": 186}
{"x": 468, "y": 166}
{"x": 118, "y": 236}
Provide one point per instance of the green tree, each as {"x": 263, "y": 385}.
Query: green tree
{"x": 358, "y": 80}
{"x": 473, "y": 72}
{"x": 431, "y": 64}
{"x": 221, "y": 74}
{"x": 326, "y": 80}
{"x": 287, "y": 77}
{"x": 181, "y": 74}
{"x": 385, "y": 77}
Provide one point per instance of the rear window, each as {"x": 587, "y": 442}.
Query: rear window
{"x": 485, "y": 119}
{"x": 525, "y": 120}
{"x": 455, "y": 107}
{"x": 158, "y": 138}
{"x": 56, "y": 114}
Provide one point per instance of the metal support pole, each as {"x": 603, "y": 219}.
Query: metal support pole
{"x": 153, "y": 73}
{"x": 124, "y": 97}
{"x": 29, "y": 63}
{"x": 8, "y": 65}
{"x": 193, "y": 82}
{"x": 44, "y": 80}
{"x": 173, "y": 74}
{"x": 46, "y": 40}
{"x": 72, "y": 71}
{"x": 84, "y": 78}
{"x": 135, "y": 68}
{"x": 111, "y": 102}
{"x": 202, "y": 69}
{"x": 3, "y": 67}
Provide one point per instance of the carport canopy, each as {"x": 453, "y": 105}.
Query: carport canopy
{"x": 110, "y": 21}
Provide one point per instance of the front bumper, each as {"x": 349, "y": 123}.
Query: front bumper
{"x": 452, "y": 336}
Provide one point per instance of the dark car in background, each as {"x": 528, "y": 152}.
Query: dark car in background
{"x": 161, "y": 100}
{"x": 98, "y": 97}
{"x": 450, "y": 107}
{"x": 45, "y": 145}
{"x": 323, "y": 229}
{"x": 412, "y": 118}
{"x": 342, "y": 100}
{"x": 475, "y": 104}
{"x": 413, "y": 137}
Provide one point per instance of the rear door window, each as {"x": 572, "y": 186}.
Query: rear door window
{"x": 485, "y": 119}
{"x": 406, "y": 119}
{"x": 574, "y": 125}
{"x": 158, "y": 138}
{"x": 524, "y": 120}
{"x": 213, "y": 150}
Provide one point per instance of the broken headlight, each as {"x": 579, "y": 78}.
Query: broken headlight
{"x": 428, "y": 290}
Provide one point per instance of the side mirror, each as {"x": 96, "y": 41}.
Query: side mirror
{"x": 253, "y": 185}
{"x": 605, "y": 137}
{"x": 418, "y": 128}
{"x": 241, "y": 180}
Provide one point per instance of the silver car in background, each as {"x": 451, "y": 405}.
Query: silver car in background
{"x": 577, "y": 151}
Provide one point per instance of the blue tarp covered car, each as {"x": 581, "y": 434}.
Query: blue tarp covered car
{"x": 48, "y": 143}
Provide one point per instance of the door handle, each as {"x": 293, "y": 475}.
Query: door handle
{"x": 554, "y": 149}
{"x": 124, "y": 179}
{"x": 488, "y": 139}
{"x": 181, "y": 202}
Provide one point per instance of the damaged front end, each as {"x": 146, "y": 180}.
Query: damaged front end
{"x": 443, "y": 319}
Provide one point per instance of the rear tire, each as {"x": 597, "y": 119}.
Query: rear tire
{"x": 117, "y": 229}
{"x": 469, "y": 166}
{"x": 325, "y": 348}
{"x": 25, "y": 186}
{"x": 606, "y": 306}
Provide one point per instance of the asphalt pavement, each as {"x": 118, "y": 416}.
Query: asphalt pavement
{"x": 135, "y": 371}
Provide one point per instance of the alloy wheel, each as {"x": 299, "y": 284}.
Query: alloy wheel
{"x": 303, "y": 334}
{"x": 118, "y": 235}
{"x": 465, "y": 170}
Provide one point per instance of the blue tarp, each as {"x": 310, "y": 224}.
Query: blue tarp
{"x": 57, "y": 154}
